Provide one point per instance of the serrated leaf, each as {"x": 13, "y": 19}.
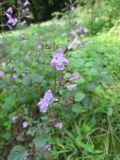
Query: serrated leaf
{"x": 18, "y": 153}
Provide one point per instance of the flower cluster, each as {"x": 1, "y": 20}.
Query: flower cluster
{"x": 81, "y": 31}
{"x": 12, "y": 20}
{"x": 59, "y": 61}
{"x": 23, "y": 15}
{"x": 26, "y": 12}
{"x": 47, "y": 100}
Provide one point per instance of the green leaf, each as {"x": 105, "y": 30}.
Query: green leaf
{"x": 87, "y": 147}
{"x": 90, "y": 87}
{"x": 6, "y": 136}
{"x": 93, "y": 71}
{"x": 108, "y": 79}
{"x": 67, "y": 75}
{"x": 40, "y": 141}
{"x": 88, "y": 102}
{"x": 76, "y": 108}
{"x": 76, "y": 63}
{"x": 36, "y": 78}
{"x": 9, "y": 103}
{"x": 27, "y": 81}
{"x": 18, "y": 153}
{"x": 79, "y": 96}
{"x": 99, "y": 91}
{"x": 110, "y": 111}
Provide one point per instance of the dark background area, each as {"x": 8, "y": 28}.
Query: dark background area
{"x": 40, "y": 10}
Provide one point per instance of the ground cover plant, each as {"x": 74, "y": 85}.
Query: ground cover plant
{"x": 59, "y": 93}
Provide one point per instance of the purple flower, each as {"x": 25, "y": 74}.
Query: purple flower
{"x": 24, "y": 23}
{"x": 15, "y": 76}
{"x": 29, "y": 17}
{"x": 26, "y": 10}
{"x": 47, "y": 147}
{"x": 2, "y": 74}
{"x": 43, "y": 105}
{"x": 39, "y": 46}
{"x": 58, "y": 53}
{"x": 26, "y": 3}
{"x": 59, "y": 61}
{"x": 12, "y": 21}
{"x": 73, "y": 32}
{"x": 8, "y": 15}
{"x": 9, "y": 10}
{"x": 49, "y": 97}
{"x": 85, "y": 30}
{"x": 81, "y": 30}
{"x": 47, "y": 100}
{"x": 75, "y": 42}
{"x": 25, "y": 124}
{"x": 59, "y": 125}
{"x": 76, "y": 77}
{"x": 64, "y": 35}
{"x": 72, "y": 87}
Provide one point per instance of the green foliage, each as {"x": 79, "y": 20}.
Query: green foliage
{"x": 40, "y": 141}
{"x": 9, "y": 103}
{"x": 79, "y": 96}
{"x": 90, "y": 115}
{"x": 99, "y": 15}
{"x": 18, "y": 153}
{"x": 76, "y": 108}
